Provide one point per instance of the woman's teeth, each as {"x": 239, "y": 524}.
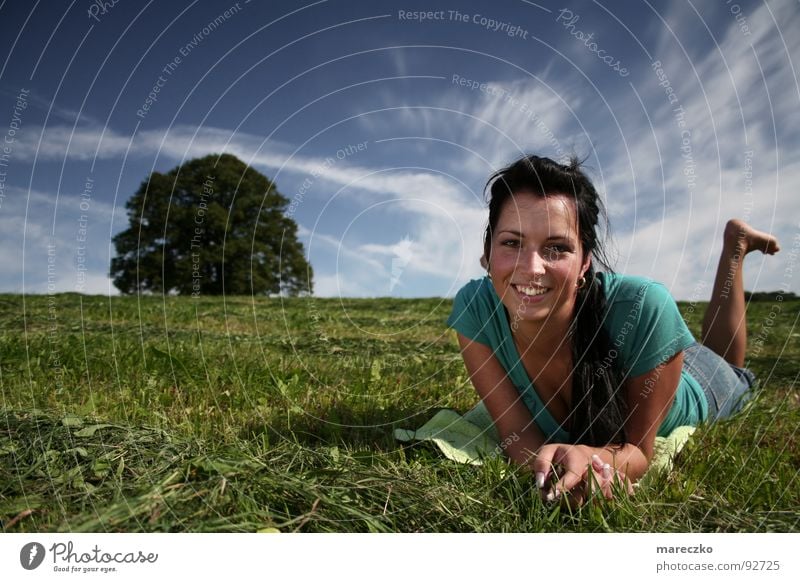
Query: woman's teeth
{"x": 531, "y": 291}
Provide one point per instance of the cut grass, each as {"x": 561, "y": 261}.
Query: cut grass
{"x": 153, "y": 414}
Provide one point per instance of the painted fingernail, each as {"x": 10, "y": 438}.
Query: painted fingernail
{"x": 596, "y": 459}
{"x": 540, "y": 480}
{"x": 607, "y": 471}
{"x": 550, "y": 496}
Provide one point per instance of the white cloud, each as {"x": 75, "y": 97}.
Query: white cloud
{"x": 334, "y": 285}
{"x": 43, "y": 244}
{"x": 422, "y": 198}
{"x": 671, "y": 232}
{"x": 662, "y": 229}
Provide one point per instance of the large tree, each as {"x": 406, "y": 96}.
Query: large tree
{"x": 213, "y": 225}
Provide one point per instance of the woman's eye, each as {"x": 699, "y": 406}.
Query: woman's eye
{"x": 557, "y": 249}
{"x": 554, "y": 252}
{"x": 510, "y": 243}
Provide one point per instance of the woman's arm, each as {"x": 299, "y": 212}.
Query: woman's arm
{"x": 519, "y": 435}
{"x": 649, "y": 398}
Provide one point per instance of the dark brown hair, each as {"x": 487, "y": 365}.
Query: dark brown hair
{"x": 598, "y": 404}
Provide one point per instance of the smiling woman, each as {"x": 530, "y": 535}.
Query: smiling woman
{"x": 579, "y": 369}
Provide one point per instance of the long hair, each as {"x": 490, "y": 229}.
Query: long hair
{"x": 598, "y": 401}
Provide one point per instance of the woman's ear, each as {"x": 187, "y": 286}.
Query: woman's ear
{"x": 587, "y": 262}
{"x": 484, "y": 262}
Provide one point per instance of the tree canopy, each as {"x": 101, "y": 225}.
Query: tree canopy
{"x": 210, "y": 226}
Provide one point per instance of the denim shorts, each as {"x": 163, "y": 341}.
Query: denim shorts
{"x": 727, "y": 387}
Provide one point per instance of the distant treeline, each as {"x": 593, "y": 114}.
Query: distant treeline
{"x": 768, "y": 295}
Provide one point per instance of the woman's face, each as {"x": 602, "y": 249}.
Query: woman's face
{"x": 536, "y": 257}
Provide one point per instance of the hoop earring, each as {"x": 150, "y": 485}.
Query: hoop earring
{"x": 581, "y": 283}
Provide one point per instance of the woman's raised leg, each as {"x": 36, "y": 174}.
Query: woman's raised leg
{"x": 724, "y": 326}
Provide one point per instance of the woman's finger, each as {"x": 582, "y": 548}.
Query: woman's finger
{"x": 576, "y": 466}
{"x": 572, "y": 477}
{"x": 542, "y": 465}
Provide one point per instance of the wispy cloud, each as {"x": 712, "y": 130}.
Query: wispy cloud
{"x": 438, "y": 213}
{"x": 49, "y": 248}
{"x": 739, "y": 106}
{"x": 53, "y": 110}
{"x": 737, "y": 119}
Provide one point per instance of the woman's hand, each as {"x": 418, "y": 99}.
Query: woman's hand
{"x": 576, "y": 472}
{"x": 606, "y": 480}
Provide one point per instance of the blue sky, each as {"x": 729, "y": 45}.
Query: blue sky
{"x": 685, "y": 112}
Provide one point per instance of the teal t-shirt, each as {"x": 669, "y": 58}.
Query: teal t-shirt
{"x": 642, "y": 322}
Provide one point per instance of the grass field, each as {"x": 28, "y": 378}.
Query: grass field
{"x": 232, "y": 414}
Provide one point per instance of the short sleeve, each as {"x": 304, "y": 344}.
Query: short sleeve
{"x": 465, "y": 317}
{"x": 656, "y": 328}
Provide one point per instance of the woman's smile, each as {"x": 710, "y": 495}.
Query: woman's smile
{"x": 536, "y": 257}
{"x": 531, "y": 293}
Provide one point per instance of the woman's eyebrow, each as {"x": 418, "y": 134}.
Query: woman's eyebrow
{"x": 554, "y": 237}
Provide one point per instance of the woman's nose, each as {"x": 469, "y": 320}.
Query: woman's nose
{"x": 534, "y": 263}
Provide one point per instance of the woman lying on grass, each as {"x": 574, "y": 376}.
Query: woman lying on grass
{"x": 580, "y": 369}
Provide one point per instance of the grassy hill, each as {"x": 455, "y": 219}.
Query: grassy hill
{"x": 235, "y": 414}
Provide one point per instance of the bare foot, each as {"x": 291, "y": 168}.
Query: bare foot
{"x": 744, "y": 238}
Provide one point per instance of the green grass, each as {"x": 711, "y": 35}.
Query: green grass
{"x": 244, "y": 415}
